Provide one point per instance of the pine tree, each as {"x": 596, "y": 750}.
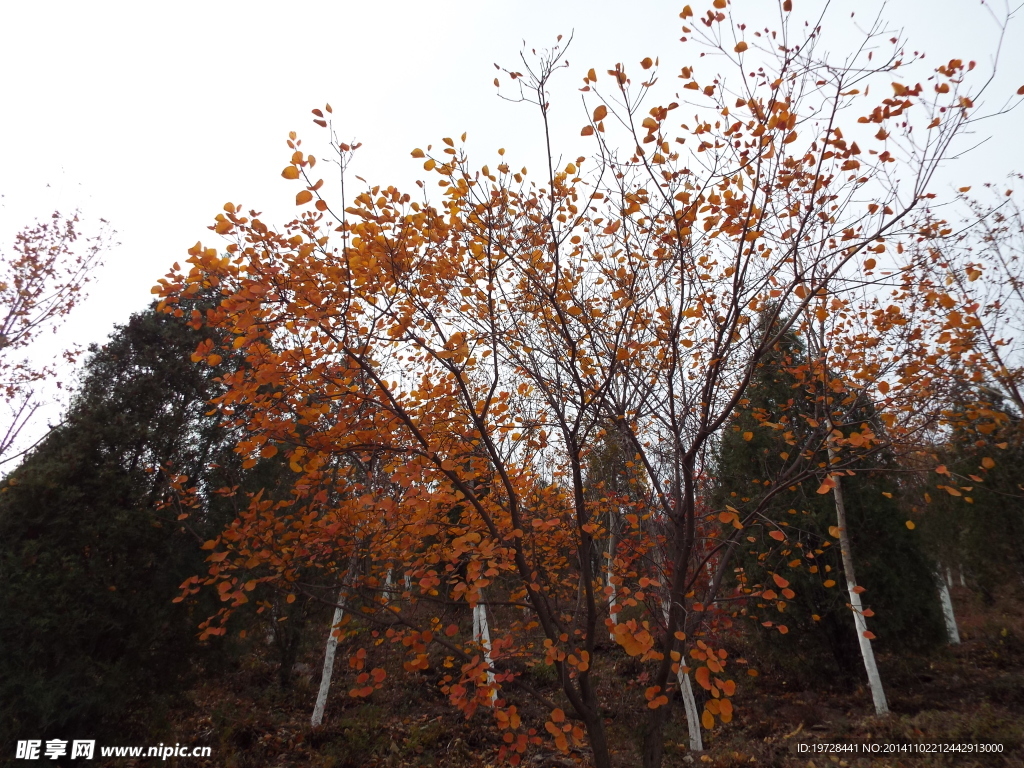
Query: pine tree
{"x": 897, "y": 576}
{"x": 89, "y": 563}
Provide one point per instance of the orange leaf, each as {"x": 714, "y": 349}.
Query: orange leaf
{"x": 748, "y": 436}
{"x": 418, "y": 153}
{"x": 703, "y": 678}
{"x": 291, "y": 172}
{"x": 707, "y": 719}
{"x": 779, "y": 581}
{"x": 600, "y": 113}
{"x": 557, "y": 716}
{"x": 827, "y": 485}
{"x": 829, "y": 583}
{"x": 778, "y": 535}
{"x": 869, "y": 634}
{"x": 588, "y": 130}
{"x": 910, "y": 524}
{"x": 987, "y": 463}
{"x": 303, "y": 197}
{"x": 740, "y": 47}
{"x": 725, "y": 709}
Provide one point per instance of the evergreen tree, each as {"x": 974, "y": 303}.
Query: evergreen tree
{"x": 891, "y": 565}
{"x": 978, "y": 531}
{"x": 89, "y": 563}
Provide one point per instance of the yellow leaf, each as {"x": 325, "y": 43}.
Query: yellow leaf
{"x": 429, "y": 165}
{"x": 830, "y": 583}
{"x": 214, "y": 359}
{"x": 303, "y": 197}
{"x": 291, "y": 172}
{"x": 833, "y": 530}
{"x": 910, "y": 524}
{"x": 418, "y": 153}
{"x": 748, "y": 436}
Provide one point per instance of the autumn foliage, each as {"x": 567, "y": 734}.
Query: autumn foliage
{"x": 438, "y": 375}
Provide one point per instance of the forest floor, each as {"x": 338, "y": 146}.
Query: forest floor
{"x": 967, "y": 694}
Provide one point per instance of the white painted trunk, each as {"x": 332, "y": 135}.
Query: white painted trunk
{"x": 690, "y": 704}
{"x": 332, "y": 646}
{"x": 947, "y": 612}
{"x": 949, "y": 576}
{"x": 692, "y": 718}
{"x": 482, "y": 635}
{"x": 388, "y": 585}
{"x": 612, "y": 593}
{"x": 325, "y": 679}
{"x": 866, "y": 651}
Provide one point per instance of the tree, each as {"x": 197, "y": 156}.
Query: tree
{"x": 485, "y": 347}
{"x": 41, "y": 282}
{"x": 89, "y": 560}
{"x": 813, "y": 637}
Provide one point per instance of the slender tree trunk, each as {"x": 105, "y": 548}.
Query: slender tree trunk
{"x": 388, "y": 584}
{"x": 689, "y": 702}
{"x": 482, "y": 635}
{"x": 608, "y": 578}
{"x": 332, "y": 646}
{"x": 947, "y": 611}
{"x": 692, "y": 717}
{"x": 866, "y": 651}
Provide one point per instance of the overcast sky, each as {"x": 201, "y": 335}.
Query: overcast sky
{"x": 152, "y": 116}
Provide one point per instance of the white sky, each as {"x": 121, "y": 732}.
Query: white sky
{"x": 152, "y": 116}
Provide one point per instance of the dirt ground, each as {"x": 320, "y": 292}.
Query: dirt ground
{"x": 967, "y": 694}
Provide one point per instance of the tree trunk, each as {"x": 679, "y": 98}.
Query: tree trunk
{"x": 482, "y": 635}
{"x": 689, "y": 702}
{"x": 325, "y": 679}
{"x": 608, "y": 579}
{"x": 947, "y": 611}
{"x": 692, "y": 716}
{"x": 332, "y": 646}
{"x": 388, "y": 585}
{"x": 866, "y": 651}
